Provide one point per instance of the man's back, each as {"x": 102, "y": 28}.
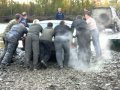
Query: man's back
{"x": 91, "y": 23}
{"x": 61, "y": 29}
{"x": 16, "y": 32}
{"x": 47, "y": 34}
{"x": 35, "y": 29}
{"x": 79, "y": 24}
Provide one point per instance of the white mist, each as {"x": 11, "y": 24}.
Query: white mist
{"x": 95, "y": 64}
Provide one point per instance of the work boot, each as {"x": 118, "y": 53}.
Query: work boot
{"x": 59, "y": 67}
{"x": 36, "y": 67}
{"x": 31, "y": 68}
{"x": 23, "y": 49}
{"x": 44, "y": 64}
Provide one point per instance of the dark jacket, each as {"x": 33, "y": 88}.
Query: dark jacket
{"x": 16, "y": 32}
{"x": 59, "y": 16}
{"x": 79, "y": 24}
{"x": 25, "y": 22}
{"x": 82, "y": 33}
{"x": 60, "y": 30}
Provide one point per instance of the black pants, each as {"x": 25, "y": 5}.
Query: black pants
{"x": 45, "y": 50}
{"x": 84, "y": 51}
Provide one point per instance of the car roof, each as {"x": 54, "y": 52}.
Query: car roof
{"x": 55, "y": 22}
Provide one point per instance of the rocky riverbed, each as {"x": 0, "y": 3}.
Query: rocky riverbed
{"x": 102, "y": 75}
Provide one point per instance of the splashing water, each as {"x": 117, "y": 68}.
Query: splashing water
{"x": 96, "y": 64}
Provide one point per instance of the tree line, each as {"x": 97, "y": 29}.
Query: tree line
{"x": 44, "y": 7}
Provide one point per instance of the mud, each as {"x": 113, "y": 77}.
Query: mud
{"x": 17, "y": 77}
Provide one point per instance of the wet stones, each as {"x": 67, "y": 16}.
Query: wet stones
{"x": 18, "y": 78}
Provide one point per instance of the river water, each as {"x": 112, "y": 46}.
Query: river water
{"x": 2, "y": 27}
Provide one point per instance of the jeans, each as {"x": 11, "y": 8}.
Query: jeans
{"x": 95, "y": 38}
{"x": 62, "y": 48}
{"x": 9, "y": 50}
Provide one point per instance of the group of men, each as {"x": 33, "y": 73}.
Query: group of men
{"x": 13, "y": 32}
{"x": 86, "y": 31}
{"x": 38, "y": 42}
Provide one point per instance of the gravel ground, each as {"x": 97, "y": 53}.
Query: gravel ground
{"x": 104, "y": 75}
